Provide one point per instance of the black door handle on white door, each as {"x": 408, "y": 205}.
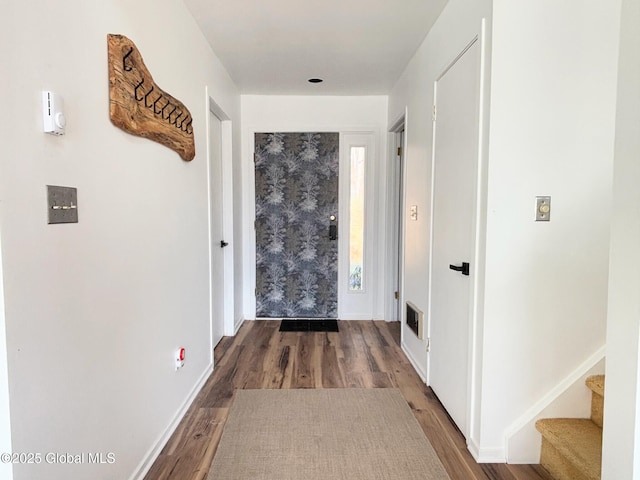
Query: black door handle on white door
{"x": 223, "y": 244}
{"x": 464, "y": 269}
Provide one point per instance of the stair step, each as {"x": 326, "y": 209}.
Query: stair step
{"x": 578, "y": 443}
{"x": 596, "y": 384}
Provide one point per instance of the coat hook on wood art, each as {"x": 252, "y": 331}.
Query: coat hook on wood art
{"x": 145, "y": 98}
{"x": 154, "y": 104}
{"x": 126, "y": 67}
{"x": 135, "y": 92}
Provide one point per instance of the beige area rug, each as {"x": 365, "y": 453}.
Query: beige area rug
{"x": 330, "y": 434}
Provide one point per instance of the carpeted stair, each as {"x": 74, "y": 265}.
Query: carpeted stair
{"x": 572, "y": 447}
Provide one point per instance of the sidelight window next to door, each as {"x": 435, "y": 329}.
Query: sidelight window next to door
{"x": 356, "y": 217}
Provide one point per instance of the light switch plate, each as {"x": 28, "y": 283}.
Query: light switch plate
{"x": 62, "y": 203}
{"x": 543, "y": 209}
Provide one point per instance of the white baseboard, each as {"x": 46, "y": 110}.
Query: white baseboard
{"x": 154, "y": 451}
{"x": 238, "y": 323}
{"x": 416, "y": 366}
{"x": 529, "y": 451}
{"x": 486, "y": 455}
{"x": 554, "y": 393}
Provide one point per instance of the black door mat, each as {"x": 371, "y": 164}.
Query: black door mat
{"x": 309, "y": 325}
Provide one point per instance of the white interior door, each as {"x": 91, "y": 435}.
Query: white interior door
{"x": 216, "y": 233}
{"x": 454, "y": 201}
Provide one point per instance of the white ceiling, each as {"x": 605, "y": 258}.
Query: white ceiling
{"x": 359, "y": 47}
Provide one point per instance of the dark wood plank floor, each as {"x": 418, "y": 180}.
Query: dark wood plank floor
{"x": 363, "y": 355}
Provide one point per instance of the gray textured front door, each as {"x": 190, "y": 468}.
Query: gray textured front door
{"x": 296, "y": 196}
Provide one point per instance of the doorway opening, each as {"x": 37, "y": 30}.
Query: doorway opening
{"x": 220, "y": 201}
{"x": 395, "y": 217}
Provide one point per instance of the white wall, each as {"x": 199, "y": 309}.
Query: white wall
{"x": 6, "y": 469}
{"x": 458, "y": 25}
{"x": 264, "y": 113}
{"x": 94, "y": 310}
{"x": 542, "y": 293}
{"x": 621, "y": 449}
{"x": 552, "y": 128}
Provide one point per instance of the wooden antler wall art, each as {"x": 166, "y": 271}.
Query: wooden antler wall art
{"x": 138, "y": 106}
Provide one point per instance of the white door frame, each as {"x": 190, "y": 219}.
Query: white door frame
{"x": 358, "y": 305}
{"x": 395, "y": 220}
{"x": 227, "y": 215}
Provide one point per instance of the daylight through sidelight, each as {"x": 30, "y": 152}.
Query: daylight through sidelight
{"x": 356, "y": 218}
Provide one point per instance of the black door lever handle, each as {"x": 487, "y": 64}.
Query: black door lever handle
{"x": 223, "y": 244}
{"x": 464, "y": 269}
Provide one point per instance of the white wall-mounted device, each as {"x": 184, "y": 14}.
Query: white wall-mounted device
{"x": 54, "y": 121}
